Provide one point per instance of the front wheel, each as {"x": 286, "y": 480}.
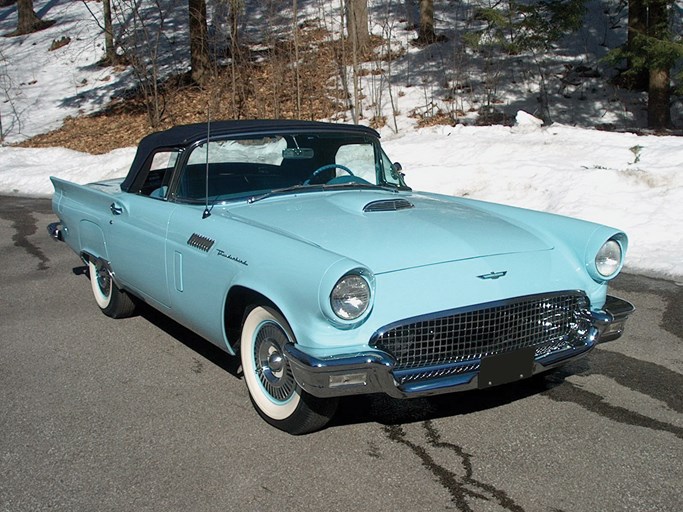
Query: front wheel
{"x": 113, "y": 302}
{"x": 269, "y": 378}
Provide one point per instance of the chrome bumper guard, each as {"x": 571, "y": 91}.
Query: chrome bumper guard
{"x": 611, "y": 322}
{"x": 372, "y": 371}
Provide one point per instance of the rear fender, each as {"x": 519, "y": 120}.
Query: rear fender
{"x": 91, "y": 240}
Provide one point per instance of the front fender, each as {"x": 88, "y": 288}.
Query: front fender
{"x": 296, "y": 291}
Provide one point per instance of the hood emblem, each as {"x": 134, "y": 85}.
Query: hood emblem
{"x": 493, "y": 275}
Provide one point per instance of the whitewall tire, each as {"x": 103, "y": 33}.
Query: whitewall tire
{"x": 272, "y": 388}
{"x": 112, "y": 301}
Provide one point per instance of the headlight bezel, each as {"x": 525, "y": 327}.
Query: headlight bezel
{"x": 351, "y": 286}
{"x": 336, "y": 273}
{"x": 607, "y": 260}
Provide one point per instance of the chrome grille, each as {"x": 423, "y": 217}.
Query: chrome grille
{"x": 550, "y": 323}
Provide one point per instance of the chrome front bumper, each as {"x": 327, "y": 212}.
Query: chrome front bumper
{"x": 373, "y": 371}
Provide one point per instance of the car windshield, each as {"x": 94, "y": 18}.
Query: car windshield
{"x": 258, "y": 166}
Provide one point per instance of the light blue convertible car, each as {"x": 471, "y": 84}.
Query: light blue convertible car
{"x": 299, "y": 246}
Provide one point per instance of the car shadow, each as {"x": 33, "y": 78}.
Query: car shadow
{"x": 191, "y": 340}
{"x": 389, "y": 411}
{"x": 81, "y": 271}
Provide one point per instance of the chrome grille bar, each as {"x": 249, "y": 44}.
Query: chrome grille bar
{"x": 550, "y": 323}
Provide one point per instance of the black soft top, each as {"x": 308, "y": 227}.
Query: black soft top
{"x": 183, "y": 136}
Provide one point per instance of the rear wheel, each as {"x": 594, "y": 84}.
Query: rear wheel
{"x": 113, "y": 302}
{"x": 269, "y": 378}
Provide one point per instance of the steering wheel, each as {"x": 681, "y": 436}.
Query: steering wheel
{"x": 327, "y": 167}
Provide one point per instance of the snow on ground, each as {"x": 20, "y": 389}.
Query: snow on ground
{"x": 631, "y": 182}
{"x": 39, "y": 87}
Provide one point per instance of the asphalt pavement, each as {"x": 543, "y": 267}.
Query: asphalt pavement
{"x": 140, "y": 414}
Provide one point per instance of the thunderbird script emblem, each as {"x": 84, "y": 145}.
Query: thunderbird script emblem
{"x": 493, "y": 275}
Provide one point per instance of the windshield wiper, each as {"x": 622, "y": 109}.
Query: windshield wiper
{"x": 353, "y": 184}
{"x": 285, "y": 190}
{"x": 317, "y": 188}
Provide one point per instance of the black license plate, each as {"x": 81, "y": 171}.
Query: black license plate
{"x": 508, "y": 367}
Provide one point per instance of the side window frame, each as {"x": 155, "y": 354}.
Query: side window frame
{"x": 159, "y": 170}
{"x": 180, "y": 168}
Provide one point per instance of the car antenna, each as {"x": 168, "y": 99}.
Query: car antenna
{"x": 207, "y": 210}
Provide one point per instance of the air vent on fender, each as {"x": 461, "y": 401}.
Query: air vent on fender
{"x": 388, "y": 205}
{"x": 200, "y": 242}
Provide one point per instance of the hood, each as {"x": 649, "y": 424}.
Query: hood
{"x": 388, "y": 231}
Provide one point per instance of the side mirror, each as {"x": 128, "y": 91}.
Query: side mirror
{"x": 396, "y": 170}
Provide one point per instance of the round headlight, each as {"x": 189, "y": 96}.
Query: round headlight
{"x": 350, "y": 297}
{"x": 608, "y": 259}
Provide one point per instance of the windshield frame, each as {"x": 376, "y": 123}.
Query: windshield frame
{"x": 386, "y": 175}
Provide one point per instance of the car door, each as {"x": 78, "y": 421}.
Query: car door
{"x": 136, "y": 245}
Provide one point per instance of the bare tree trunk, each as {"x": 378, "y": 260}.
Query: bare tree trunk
{"x": 110, "y": 56}
{"x": 357, "y": 105}
{"x": 200, "y": 64}
{"x": 141, "y": 47}
{"x": 237, "y": 98}
{"x": 295, "y": 28}
{"x": 658, "y": 109}
{"x": 235, "y": 6}
{"x": 426, "y": 34}
{"x": 357, "y": 23}
{"x": 343, "y": 69}
{"x": 28, "y": 21}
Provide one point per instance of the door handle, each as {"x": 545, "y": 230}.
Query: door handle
{"x": 116, "y": 210}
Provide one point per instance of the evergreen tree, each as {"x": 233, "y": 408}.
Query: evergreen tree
{"x": 522, "y": 27}
{"x": 516, "y": 27}
{"x": 651, "y": 51}
{"x": 658, "y": 108}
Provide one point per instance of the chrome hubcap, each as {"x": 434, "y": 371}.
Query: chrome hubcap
{"x": 276, "y": 362}
{"x": 272, "y": 369}
{"x": 103, "y": 280}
